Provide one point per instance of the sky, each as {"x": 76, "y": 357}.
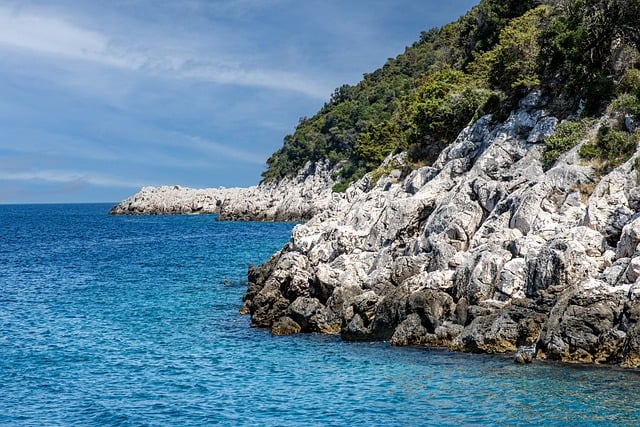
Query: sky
{"x": 99, "y": 98}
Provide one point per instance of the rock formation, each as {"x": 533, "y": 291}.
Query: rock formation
{"x": 175, "y": 199}
{"x": 295, "y": 198}
{"x": 483, "y": 251}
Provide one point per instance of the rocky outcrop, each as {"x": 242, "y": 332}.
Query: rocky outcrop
{"x": 296, "y": 198}
{"x": 483, "y": 251}
{"x": 167, "y": 200}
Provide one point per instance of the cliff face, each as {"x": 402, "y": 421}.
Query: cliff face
{"x": 296, "y": 198}
{"x": 484, "y": 251}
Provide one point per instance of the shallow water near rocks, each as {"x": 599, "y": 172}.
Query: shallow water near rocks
{"x": 133, "y": 321}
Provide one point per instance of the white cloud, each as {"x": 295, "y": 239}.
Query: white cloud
{"x": 45, "y": 35}
{"x": 218, "y": 149}
{"x": 58, "y": 176}
{"x": 55, "y": 37}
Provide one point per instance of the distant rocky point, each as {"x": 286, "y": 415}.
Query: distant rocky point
{"x": 296, "y": 198}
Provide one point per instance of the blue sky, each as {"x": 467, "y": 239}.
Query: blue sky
{"x": 99, "y": 98}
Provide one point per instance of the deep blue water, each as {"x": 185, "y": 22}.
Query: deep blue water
{"x": 133, "y": 321}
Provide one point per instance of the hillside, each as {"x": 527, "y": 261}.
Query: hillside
{"x": 578, "y": 53}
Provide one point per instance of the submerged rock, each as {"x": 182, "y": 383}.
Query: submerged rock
{"x": 483, "y": 251}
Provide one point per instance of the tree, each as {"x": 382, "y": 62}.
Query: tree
{"x": 513, "y": 63}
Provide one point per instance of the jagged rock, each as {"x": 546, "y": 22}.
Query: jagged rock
{"x": 627, "y": 246}
{"x": 409, "y": 332}
{"x": 582, "y": 325}
{"x": 542, "y": 129}
{"x": 630, "y": 124}
{"x": 482, "y": 251}
{"x": 304, "y": 311}
{"x": 608, "y": 208}
{"x": 172, "y": 200}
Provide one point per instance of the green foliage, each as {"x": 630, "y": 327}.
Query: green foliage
{"x": 513, "y": 63}
{"x": 611, "y": 147}
{"x": 627, "y": 104}
{"x": 479, "y": 30}
{"x": 630, "y": 82}
{"x": 376, "y": 144}
{"x": 583, "y": 44}
{"x": 628, "y": 100}
{"x": 440, "y": 109}
{"x": 350, "y": 172}
{"x": 350, "y": 129}
{"x": 378, "y": 173}
{"x": 566, "y": 136}
{"x": 340, "y": 186}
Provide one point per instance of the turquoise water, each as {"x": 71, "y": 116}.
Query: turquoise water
{"x": 133, "y": 321}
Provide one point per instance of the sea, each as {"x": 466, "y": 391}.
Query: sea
{"x": 133, "y": 321}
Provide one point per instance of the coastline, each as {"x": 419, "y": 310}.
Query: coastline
{"x": 485, "y": 251}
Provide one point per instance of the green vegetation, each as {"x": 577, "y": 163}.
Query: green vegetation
{"x": 439, "y": 110}
{"x": 610, "y": 148}
{"x": 573, "y": 50}
{"x": 513, "y": 63}
{"x": 590, "y": 44}
{"x": 567, "y": 135}
{"x": 376, "y": 144}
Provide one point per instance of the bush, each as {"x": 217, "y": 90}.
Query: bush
{"x": 565, "y": 137}
{"x": 350, "y": 173}
{"x": 375, "y": 145}
{"x": 340, "y": 186}
{"x": 627, "y": 104}
{"x": 611, "y": 147}
{"x": 583, "y": 43}
{"x": 441, "y": 108}
{"x": 630, "y": 82}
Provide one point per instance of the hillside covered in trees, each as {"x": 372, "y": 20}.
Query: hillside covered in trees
{"x": 583, "y": 54}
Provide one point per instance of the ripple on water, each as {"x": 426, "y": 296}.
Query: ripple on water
{"x": 128, "y": 321}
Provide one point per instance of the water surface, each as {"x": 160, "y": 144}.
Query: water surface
{"x": 133, "y": 321}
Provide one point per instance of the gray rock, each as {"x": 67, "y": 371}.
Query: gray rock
{"x": 482, "y": 251}
{"x": 525, "y": 354}
{"x": 409, "y": 332}
{"x": 304, "y": 311}
{"x": 290, "y": 199}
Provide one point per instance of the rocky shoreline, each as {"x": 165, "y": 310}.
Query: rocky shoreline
{"x": 484, "y": 251}
{"x": 292, "y": 199}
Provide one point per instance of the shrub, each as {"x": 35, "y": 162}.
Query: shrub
{"x": 565, "y": 137}
{"x": 611, "y": 147}
{"x": 340, "y": 186}
{"x": 631, "y": 81}
{"x": 513, "y": 63}
{"x": 376, "y": 144}
{"x": 626, "y": 104}
{"x": 440, "y": 109}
